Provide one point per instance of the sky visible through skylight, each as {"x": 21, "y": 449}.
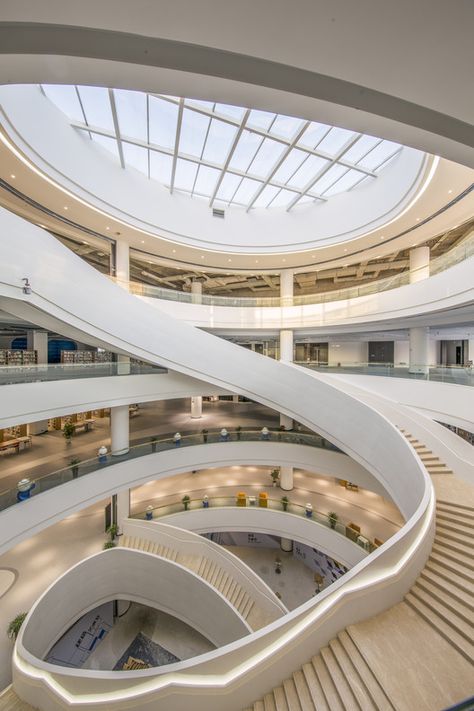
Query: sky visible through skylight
{"x": 225, "y": 155}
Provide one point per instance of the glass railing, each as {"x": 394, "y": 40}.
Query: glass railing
{"x": 454, "y": 374}
{"x": 11, "y": 374}
{"x": 159, "y": 443}
{"x": 454, "y": 256}
{"x": 339, "y": 525}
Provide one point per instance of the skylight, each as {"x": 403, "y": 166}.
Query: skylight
{"x": 227, "y": 155}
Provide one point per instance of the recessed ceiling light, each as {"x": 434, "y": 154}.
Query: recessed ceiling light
{"x": 13, "y": 176}
{"x": 174, "y": 251}
{"x": 202, "y": 256}
{"x": 417, "y": 219}
{"x": 283, "y": 260}
{"x": 345, "y": 250}
{"x": 256, "y": 261}
{"x": 66, "y": 207}
{"x": 107, "y": 228}
{"x": 229, "y": 260}
{"x": 85, "y": 242}
{"x": 143, "y": 241}
{"x": 382, "y": 237}
{"x": 313, "y": 256}
{"x": 449, "y": 191}
{"x": 414, "y": 245}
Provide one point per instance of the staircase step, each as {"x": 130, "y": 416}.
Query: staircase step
{"x": 456, "y": 526}
{"x": 291, "y": 695}
{"x": 463, "y": 553}
{"x": 223, "y": 582}
{"x": 331, "y": 694}
{"x": 243, "y": 602}
{"x": 464, "y": 539}
{"x": 451, "y": 565}
{"x": 9, "y": 701}
{"x": 443, "y": 599}
{"x": 455, "y": 519}
{"x": 350, "y": 673}
{"x": 248, "y": 608}
{"x": 269, "y": 702}
{"x": 438, "y": 470}
{"x": 258, "y": 706}
{"x": 377, "y": 694}
{"x": 455, "y": 506}
{"x": 280, "y": 699}
{"x": 238, "y": 597}
{"x": 450, "y": 586}
{"x": 339, "y": 680}
{"x": 315, "y": 688}
{"x": 442, "y": 627}
{"x": 304, "y": 694}
{"x": 231, "y": 591}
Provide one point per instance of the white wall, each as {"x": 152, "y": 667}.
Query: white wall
{"x": 347, "y": 352}
{"x": 401, "y": 352}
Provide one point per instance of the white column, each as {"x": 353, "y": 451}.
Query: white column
{"x": 286, "y": 287}
{"x": 122, "y": 261}
{"x": 419, "y": 264}
{"x": 286, "y": 346}
{"x": 123, "y": 506}
{"x": 432, "y": 352}
{"x": 196, "y": 407}
{"x": 196, "y": 291}
{"x": 286, "y": 544}
{"x": 38, "y": 341}
{"x": 419, "y": 339}
{"x": 286, "y": 478}
{"x": 119, "y": 430}
{"x": 470, "y": 352}
{"x": 123, "y": 365}
{"x": 235, "y": 398}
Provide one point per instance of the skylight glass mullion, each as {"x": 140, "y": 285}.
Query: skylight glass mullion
{"x": 229, "y": 156}
{"x": 82, "y": 107}
{"x": 202, "y": 153}
{"x": 176, "y": 143}
{"x": 387, "y": 160}
{"x": 113, "y": 108}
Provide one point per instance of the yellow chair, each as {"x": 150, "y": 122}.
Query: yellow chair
{"x": 241, "y": 498}
{"x": 263, "y": 499}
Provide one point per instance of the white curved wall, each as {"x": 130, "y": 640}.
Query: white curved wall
{"x": 275, "y": 523}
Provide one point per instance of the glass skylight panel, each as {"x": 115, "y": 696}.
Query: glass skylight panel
{"x": 283, "y": 199}
{"x": 229, "y": 185}
{"x": 136, "y": 157}
{"x": 346, "y": 182}
{"x": 245, "y": 151}
{"x": 260, "y": 119}
{"x": 378, "y": 155}
{"x": 110, "y": 144}
{"x": 246, "y": 191}
{"x": 206, "y": 180}
{"x": 206, "y": 105}
{"x": 266, "y": 196}
{"x": 95, "y": 101}
{"x": 286, "y": 126}
{"x": 326, "y": 180}
{"x": 335, "y": 140}
{"x": 160, "y": 167}
{"x": 163, "y": 119}
{"x": 66, "y": 100}
{"x": 314, "y": 134}
{"x": 193, "y": 133}
{"x": 307, "y": 172}
{"x": 290, "y": 165}
{"x": 305, "y": 200}
{"x": 185, "y": 174}
{"x": 362, "y": 146}
{"x": 219, "y": 141}
{"x": 234, "y": 112}
{"x": 266, "y": 157}
{"x": 132, "y": 113}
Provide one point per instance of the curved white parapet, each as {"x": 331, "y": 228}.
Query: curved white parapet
{"x": 124, "y": 574}
{"x": 27, "y": 518}
{"x": 109, "y": 316}
{"x": 274, "y": 523}
{"x": 183, "y": 540}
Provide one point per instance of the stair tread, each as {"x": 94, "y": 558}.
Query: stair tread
{"x": 447, "y": 546}
{"x": 451, "y": 587}
{"x": 455, "y": 506}
{"x": 352, "y": 676}
{"x": 464, "y": 539}
{"x": 338, "y": 677}
{"x": 331, "y": 694}
{"x": 291, "y": 695}
{"x": 446, "y": 518}
{"x": 453, "y": 619}
{"x": 450, "y": 556}
{"x": 302, "y": 689}
{"x": 280, "y": 699}
{"x": 444, "y": 599}
{"x": 444, "y": 629}
{"x": 315, "y": 689}
{"x": 269, "y": 702}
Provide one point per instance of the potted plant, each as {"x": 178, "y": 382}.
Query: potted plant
{"x": 185, "y": 501}
{"x": 154, "y": 441}
{"x": 284, "y": 502}
{"x": 109, "y": 544}
{"x": 14, "y": 627}
{"x": 204, "y": 435}
{"x": 274, "y": 475}
{"x": 333, "y": 517}
{"x": 74, "y": 464}
{"x": 68, "y": 431}
{"x": 238, "y": 431}
{"x": 112, "y": 530}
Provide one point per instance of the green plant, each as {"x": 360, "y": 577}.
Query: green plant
{"x": 109, "y": 544}
{"x": 333, "y": 518}
{"x": 274, "y": 475}
{"x": 15, "y": 625}
{"x": 185, "y": 501}
{"x": 238, "y": 431}
{"x": 154, "y": 441}
{"x": 284, "y": 502}
{"x": 112, "y": 530}
{"x": 74, "y": 467}
{"x": 68, "y": 431}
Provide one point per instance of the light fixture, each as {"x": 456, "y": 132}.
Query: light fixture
{"x": 202, "y": 256}
{"x": 174, "y": 251}
{"x": 417, "y": 219}
{"x": 256, "y": 261}
{"x": 449, "y": 191}
{"x": 107, "y": 228}
{"x": 66, "y": 207}
{"x": 229, "y": 260}
{"x": 13, "y": 176}
{"x": 143, "y": 241}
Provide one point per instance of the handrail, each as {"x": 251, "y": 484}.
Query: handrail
{"x": 17, "y": 374}
{"x": 159, "y": 443}
{"x": 462, "y": 251}
{"x": 454, "y": 374}
{"x": 318, "y": 517}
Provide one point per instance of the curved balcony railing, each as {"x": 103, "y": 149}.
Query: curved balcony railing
{"x": 454, "y": 256}
{"x": 15, "y": 374}
{"x": 158, "y": 443}
{"x": 454, "y": 374}
{"x": 339, "y": 525}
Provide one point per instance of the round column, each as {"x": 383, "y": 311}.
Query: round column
{"x": 122, "y": 261}
{"x": 123, "y": 365}
{"x": 119, "y": 430}
{"x": 122, "y": 506}
{"x": 419, "y": 264}
{"x": 286, "y": 478}
{"x": 196, "y": 291}
{"x": 196, "y": 407}
{"x": 286, "y": 544}
{"x": 286, "y": 287}
{"x": 286, "y": 356}
{"x": 419, "y": 342}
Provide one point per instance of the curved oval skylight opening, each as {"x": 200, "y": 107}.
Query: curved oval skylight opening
{"x": 227, "y": 155}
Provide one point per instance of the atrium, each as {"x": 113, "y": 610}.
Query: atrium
{"x": 236, "y": 356}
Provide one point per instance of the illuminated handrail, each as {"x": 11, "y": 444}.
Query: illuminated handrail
{"x": 160, "y": 443}
{"x": 462, "y": 251}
